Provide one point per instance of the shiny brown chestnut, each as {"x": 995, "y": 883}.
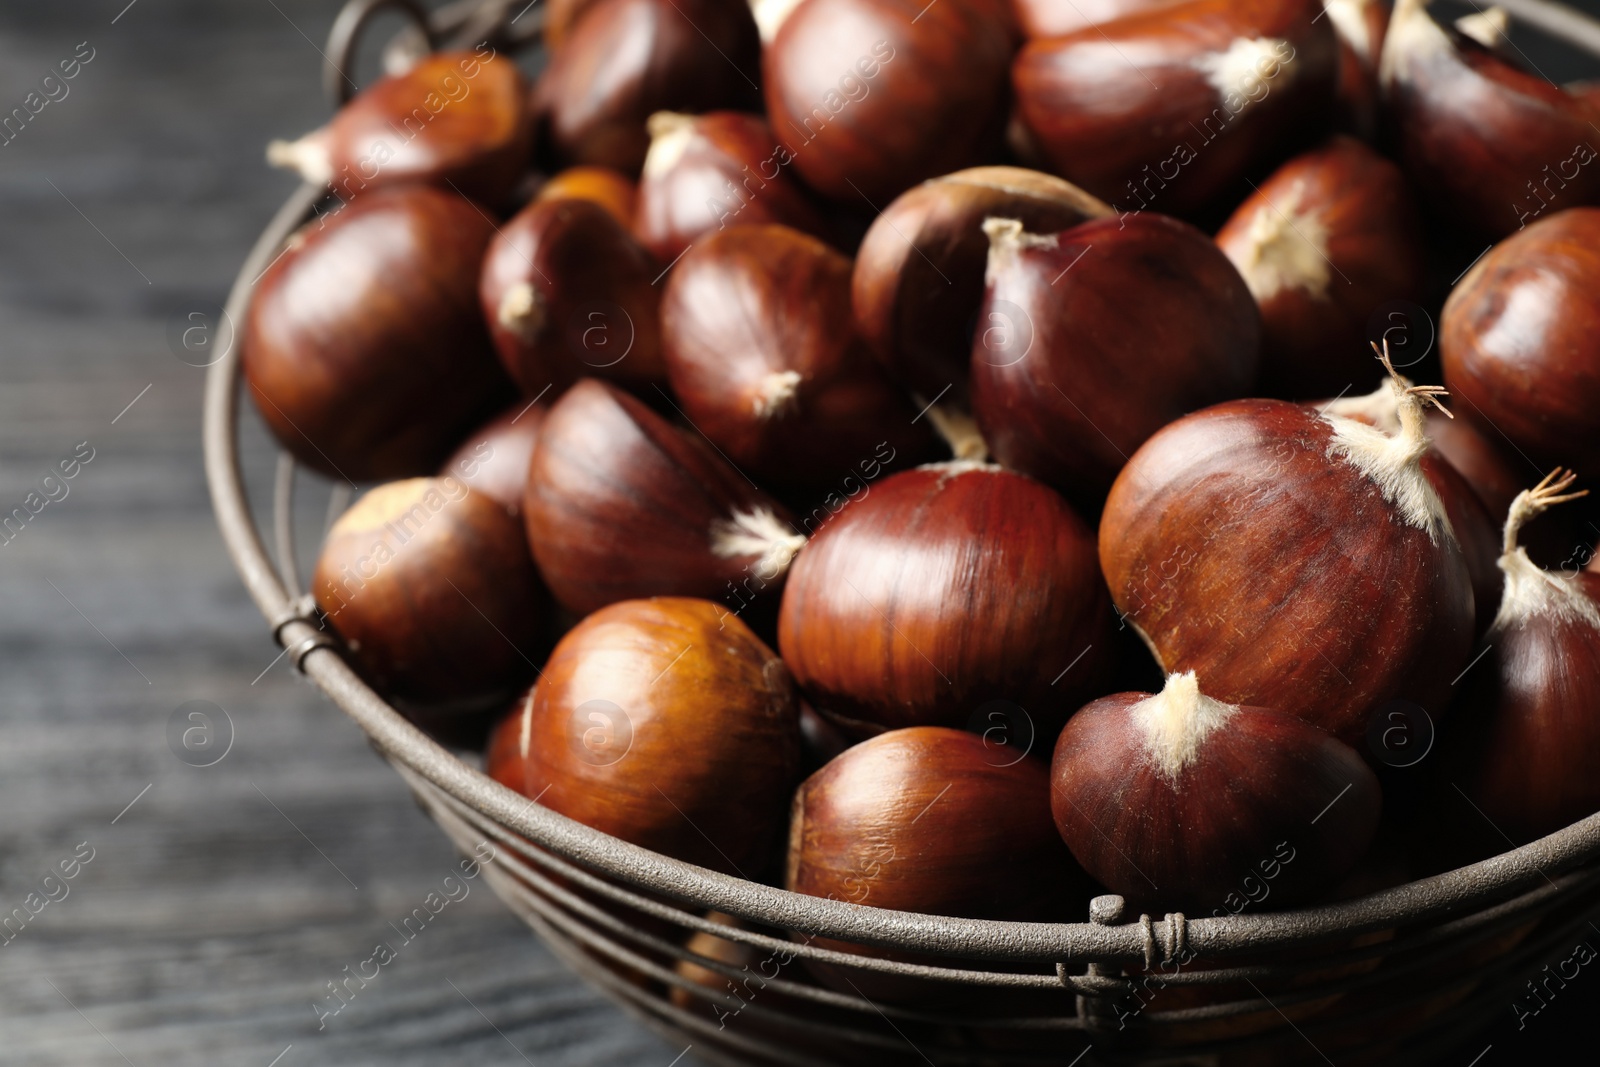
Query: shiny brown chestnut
{"x": 612, "y": 190}
{"x": 1293, "y": 560}
{"x": 1490, "y": 147}
{"x": 668, "y": 724}
{"x": 1217, "y": 88}
{"x": 944, "y": 591}
{"x": 494, "y": 460}
{"x": 1330, "y": 237}
{"x": 705, "y": 173}
{"x": 1181, "y": 801}
{"x": 568, "y": 292}
{"x": 1520, "y": 339}
{"x": 763, "y": 355}
{"x": 1093, "y": 339}
{"x": 363, "y": 345}
{"x": 460, "y": 120}
{"x": 624, "y": 60}
{"x": 622, "y": 504}
{"x": 1527, "y": 731}
{"x": 873, "y": 96}
{"x": 918, "y": 277}
{"x": 431, "y": 586}
{"x": 894, "y": 822}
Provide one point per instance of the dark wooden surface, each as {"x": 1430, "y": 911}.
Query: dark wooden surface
{"x": 218, "y": 906}
{"x": 212, "y": 915}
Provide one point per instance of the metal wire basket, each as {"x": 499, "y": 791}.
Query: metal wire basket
{"x": 1387, "y": 978}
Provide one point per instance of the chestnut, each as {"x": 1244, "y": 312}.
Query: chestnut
{"x": 560, "y": 16}
{"x": 431, "y": 587}
{"x": 942, "y": 590}
{"x": 1491, "y": 147}
{"x": 918, "y": 276}
{"x": 764, "y": 357}
{"x": 1214, "y": 89}
{"x": 1294, "y": 560}
{"x": 666, "y": 723}
{"x": 1520, "y": 339}
{"x": 456, "y": 119}
{"x": 612, "y": 190}
{"x": 1093, "y": 339}
{"x": 568, "y": 292}
{"x": 494, "y": 460}
{"x": 624, "y": 60}
{"x": 621, "y": 504}
{"x": 363, "y": 345}
{"x": 1179, "y": 800}
{"x": 841, "y": 78}
{"x": 927, "y": 819}
{"x": 1330, "y": 236}
{"x": 705, "y": 173}
{"x": 1526, "y": 731}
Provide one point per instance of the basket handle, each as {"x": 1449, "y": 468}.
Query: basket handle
{"x": 352, "y": 22}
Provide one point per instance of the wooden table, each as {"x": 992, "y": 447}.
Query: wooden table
{"x": 218, "y": 901}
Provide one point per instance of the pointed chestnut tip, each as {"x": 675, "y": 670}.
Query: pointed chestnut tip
{"x": 307, "y": 157}
{"x": 770, "y": 15}
{"x": 1006, "y": 239}
{"x": 1176, "y": 722}
{"x": 521, "y": 311}
{"x": 670, "y": 132}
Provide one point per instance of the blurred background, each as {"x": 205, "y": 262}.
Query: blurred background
{"x": 212, "y": 905}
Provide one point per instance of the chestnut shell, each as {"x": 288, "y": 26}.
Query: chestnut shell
{"x": 667, "y": 723}
{"x": 1189, "y": 842}
{"x": 934, "y": 99}
{"x": 1520, "y": 340}
{"x": 1242, "y": 550}
{"x": 622, "y": 504}
{"x": 1090, "y": 344}
{"x": 363, "y": 346}
{"x": 942, "y": 589}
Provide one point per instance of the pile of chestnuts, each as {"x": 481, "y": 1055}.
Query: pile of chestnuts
{"x": 963, "y": 458}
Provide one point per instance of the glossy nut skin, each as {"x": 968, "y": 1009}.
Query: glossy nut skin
{"x": 894, "y": 823}
{"x": 611, "y": 189}
{"x": 841, "y": 77}
{"x": 1330, "y": 237}
{"x": 560, "y": 16}
{"x": 763, "y": 355}
{"x": 1244, "y": 552}
{"x": 494, "y": 460}
{"x": 1038, "y": 19}
{"x": 627, "y": 59}
{"x": 668, "y": 724}
{"x": 706, "y": 173}
{"x": 942, "y": 589}
{"x": 1520, "y": 340}
{"x": 1079, "y": 360}
{"x": 1247, "y": 805}
{"x": 1361, "y": 26}
{"x": 1489, "y": 146}
{"x": 1169, "y": 110}
{"x": 622, "y": 504}
{"x": 459, "y": 120}
{"x": 363, "y": 346}
{"x": 567, "y": 293}
{"x": 918, "y": 279}
{"x": 1526, "y": 728}
{"x": 431, "y": 586}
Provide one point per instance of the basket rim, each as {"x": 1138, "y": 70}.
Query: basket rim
{"x": 1478, "y": 885}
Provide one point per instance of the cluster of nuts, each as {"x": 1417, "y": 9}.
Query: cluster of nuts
{"x": 1095, "y": 549}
